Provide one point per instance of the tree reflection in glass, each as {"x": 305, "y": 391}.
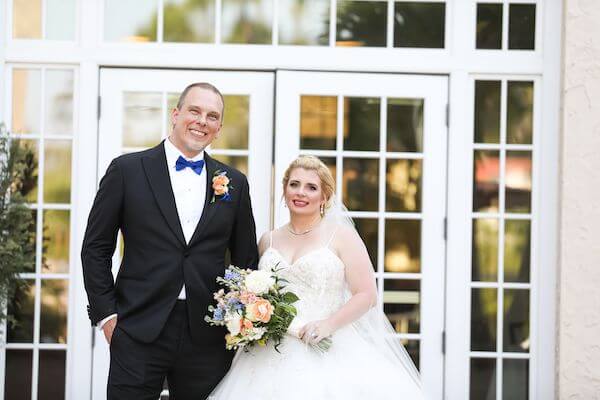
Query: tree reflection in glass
{"x": 402, "y": 245}
{"x": 401, "y": 304}
{"x": 57, "y": 171}
{"x": 405, "y": 125}
{"x": 486, "y": 173}
{"x": 361, "y": 23}
{"x": 519, "y": 127}
{"x": 518, "y": 181}
{"x": 318, "y": 122}
{"x": 181, "y": 21}
{"x": 360, "y": 186}
{"x": 20, "y": 309}
{"x": 130, "y": 20}
{"x": 487, "y": 111}
{"x": 517, "y": 250}
{"x": 484, "y": 311}
{"x": 53, "y": 315}
{"x": 26, "y": 100}
{"x": 56, "y": 241}
{"x": 368, "y": 230}
{"x": 515, "y": 379}
{"x": 234, "y": 133}
{"x": 516, "y": 320}
{"x": 484, "y": 255}
{"x": 483, "y": 379}
{"x": 361, "y": 123}
{"x": 247, "y": 21}
{"x": 304, "y": 22}
{"x": 142, "y": 119}
{"x": 403, "y": 185}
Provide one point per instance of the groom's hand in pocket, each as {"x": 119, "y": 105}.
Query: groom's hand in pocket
{"x": 109, "y": 328}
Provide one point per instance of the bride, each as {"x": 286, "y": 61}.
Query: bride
{"x": 326, "y": 264}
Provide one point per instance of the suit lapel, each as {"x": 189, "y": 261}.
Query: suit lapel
{"x": 209, "y": 208}
{"x": 155, "y": 167}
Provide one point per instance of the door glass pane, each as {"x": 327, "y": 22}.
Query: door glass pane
{"x": 485, "y": 185}
{"x": 331, "y": 163}
{"x": 172, "y": 99}
{"x": 60, "y": 19}
{"x": 489, "y": 26}
{"x": 517, "y": 250}
{"x": 487, "y": 111}
{"x": 51, "y": 378}
{"x": 27, "y": 19}
{"x": 361, "y": 123}
{"x": 56, "y": 241}
{"x": 413, "y": 349}
{"x": 485, "y": 250}
{"x": 54, "y": 307}
{"x": 361, "y": 23}
{"x": 29, "y": 188}
{"x": 405, "y": 125}
{"x": 401, "y": 304}
{"x": 26, "y": 100}
{"x": 518, "y": 181}
{"x": 181, "y": 21}
{"x": 247, "y": 21}
{"x": 402, "y": 245}
{"x": 57, "y": 171}
{"x": 17, "y": 378}
{"x": 484, "y": 310}
{"x": 238, "y": 162}
{"x": 515, "y": 379}
{"x": 521, "y": 27}
{"x": 360, "y": 187}
{"x": 367, "y": 229}
{"x": 59, "y": 102}
{"x": 419, "y": 24}
{"x": 516, "y": 320}
{"x": 141, "y": 119}
{"x": 318, "y": 122}
{"x": 304, "y": 22}
{"x": 130, "y": 20}
{"x": 20, "y": 308}
{"x": 234, "y": 133}
{"x": 403, "y": 185}
{"x": 520, "y": 112}
{"x": 483, "y": 379}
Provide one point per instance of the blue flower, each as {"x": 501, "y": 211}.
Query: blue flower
{"x": 218, "y": 314}
{"x": 232, "y": 276}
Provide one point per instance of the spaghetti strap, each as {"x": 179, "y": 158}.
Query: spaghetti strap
{"x": 331, "y": 238}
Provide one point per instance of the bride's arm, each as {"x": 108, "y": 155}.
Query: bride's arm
{"x": 361, "y": 282}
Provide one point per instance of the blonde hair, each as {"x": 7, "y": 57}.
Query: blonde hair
{"x": 312, "y": 163}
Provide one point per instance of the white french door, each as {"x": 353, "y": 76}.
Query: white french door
{"x": 384, "y": 137}
{"x": 135, "y": 105}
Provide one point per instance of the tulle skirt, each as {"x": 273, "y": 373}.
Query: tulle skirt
{"x": 352, "y": 369}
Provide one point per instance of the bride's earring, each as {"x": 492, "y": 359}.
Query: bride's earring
{"x": 322, "y": 210}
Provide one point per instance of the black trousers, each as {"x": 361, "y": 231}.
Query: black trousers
{"x": 138, "y": 370}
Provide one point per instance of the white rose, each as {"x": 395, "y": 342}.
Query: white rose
{"x": 233, "y": 323}
{"x": 259, "y": 282}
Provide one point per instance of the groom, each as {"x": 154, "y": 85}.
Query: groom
{"x": 177, "y": 220}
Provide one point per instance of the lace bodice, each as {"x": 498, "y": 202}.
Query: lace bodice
{"x": 317, "y": 278}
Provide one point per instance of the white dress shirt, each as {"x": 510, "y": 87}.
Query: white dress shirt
{"x": 189, "y": 190}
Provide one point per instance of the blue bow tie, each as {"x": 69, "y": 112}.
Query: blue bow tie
{"x": 195, "y": 166}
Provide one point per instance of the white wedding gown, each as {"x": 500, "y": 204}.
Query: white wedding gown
{"x": 353, "y": 368}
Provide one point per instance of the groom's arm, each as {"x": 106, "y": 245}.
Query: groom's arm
{"x": 99, "y": 245}
{"x": 242, "y": 243}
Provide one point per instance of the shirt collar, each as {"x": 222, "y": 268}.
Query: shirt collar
{"x": 173, "y": 153}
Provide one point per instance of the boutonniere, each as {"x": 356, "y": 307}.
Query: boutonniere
{"x": 220, "y": 185}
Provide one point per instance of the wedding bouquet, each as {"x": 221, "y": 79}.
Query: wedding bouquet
{"x": 253, "y": 306}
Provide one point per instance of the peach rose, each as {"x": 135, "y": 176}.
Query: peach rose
{"x": 219, "y": 185}
{"x": 247, "y": 297}
{"x": 261, "y": 310}
{"x": 247, "y": 325}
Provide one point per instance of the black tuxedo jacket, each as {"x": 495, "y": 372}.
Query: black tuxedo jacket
{"x": 135, "y": 196}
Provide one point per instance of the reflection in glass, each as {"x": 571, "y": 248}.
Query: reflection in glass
{"x": 487, "y": 111}
{"x": 51, "y": 378}
{"x": 521, "y": 27}
{"x": 367, "y": 229}
{"x": 401, "y": 304}
{"x": 182, "y": 21}
{"x": 483, "y": 379}
{"x": 485, "y": 250}
{"x": 27, "y": 19}
{"x": 20, "y": 308}
{"x": 489, "y": 26}
{"x": 59, "y": 102}
{"x": 54, "y": 307}
{"x": 26, "y": 100}
{"x": 486, "y": 177}
{"x": 234, "y": 133}
{"x": 57, "y": 171}
{"x": 56, "y": 241}
{"x": 414, "y": 349}
{"x": 403, "y": 185}
{"x": 318, "y": 122}
{"x": 60, "y": 19}
{"x": 405, "y": 125}
{"x": 360, "y": 189}
{"x": 515, "y": 379}
{"x": 247, "y": 22}
{"x": 238, "y": 162}
{"x": 402, "y": 245}
{"x": 361, "y": 23}
{"x": 331, "y": 163}
{"x": 361, "y": 123}
{"x": 29, "y": 185}
{"x": 141, "y": 119}
{"x": 17, "y": 381}
{"x": 517, "y": 250}
{"x": 130, "y": 20}
{"x": 418, "y": 24}
{"x": 516, "y": 320}
{"x": 172, "y": 99}
{"x": 518, "y": 181}
{"x": 484, "y": 310}
{"x": 519, "y": 127}
{"x": 304, "y": 22}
